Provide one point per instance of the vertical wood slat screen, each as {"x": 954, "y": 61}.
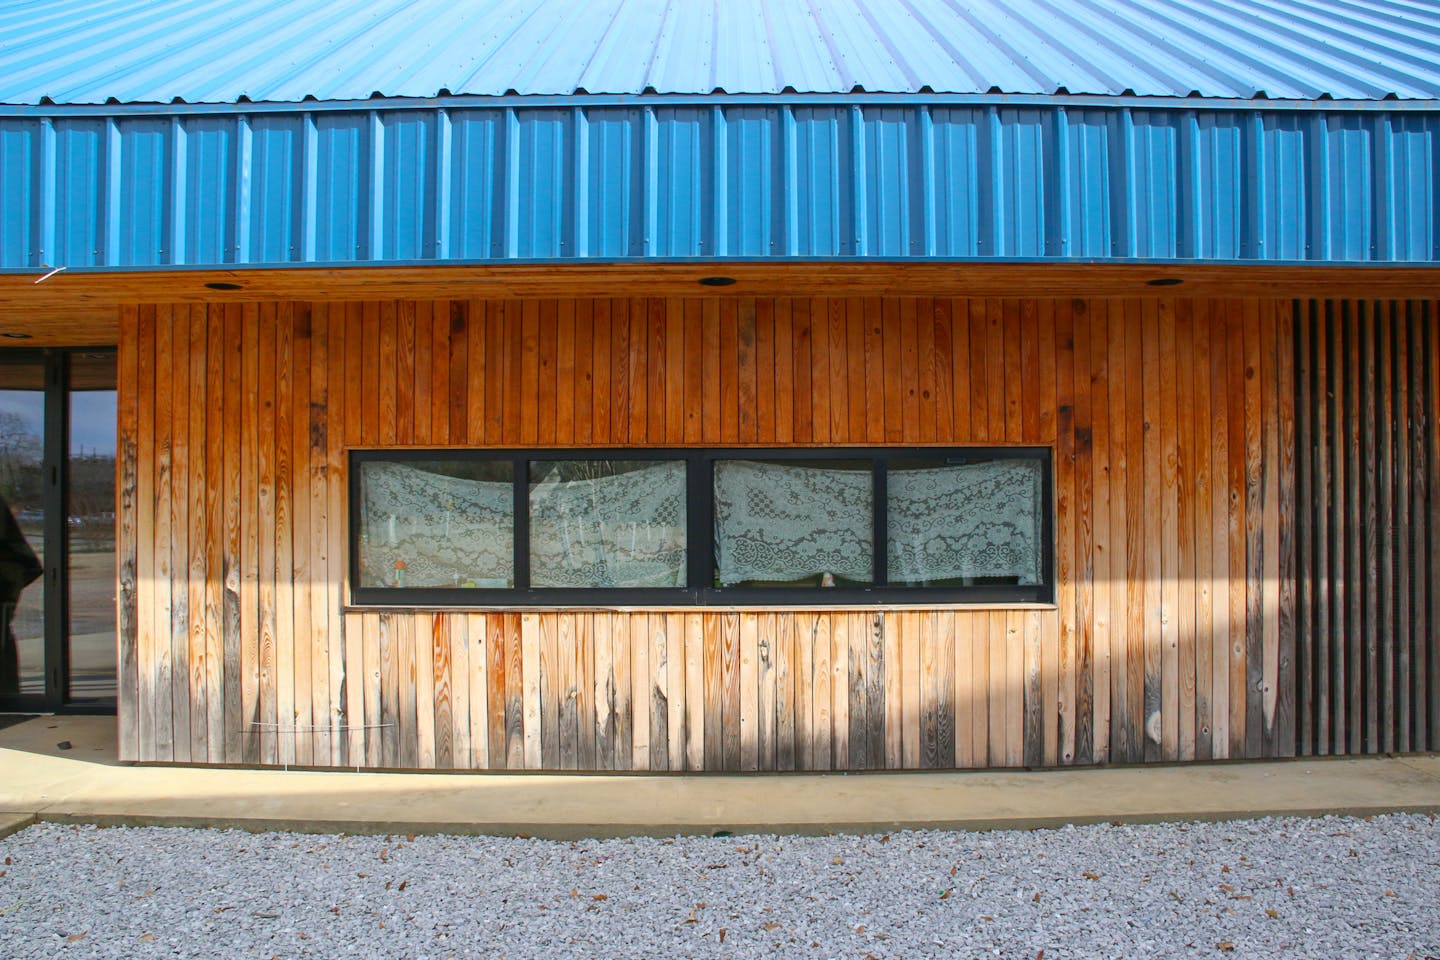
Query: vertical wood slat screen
{"x": 1369, "y": 610}
{"x": 1172, "y": 637}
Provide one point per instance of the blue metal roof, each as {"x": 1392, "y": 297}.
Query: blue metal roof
{"x": 196, "y": 51}
{"x": 714, "y": 179}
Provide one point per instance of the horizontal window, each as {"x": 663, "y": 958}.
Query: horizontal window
{"x": 799, "y": 526}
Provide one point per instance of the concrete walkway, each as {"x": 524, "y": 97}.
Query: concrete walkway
{"x": 83, "y": 782}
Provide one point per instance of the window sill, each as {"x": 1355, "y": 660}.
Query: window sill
{"x": 717, "y": 608}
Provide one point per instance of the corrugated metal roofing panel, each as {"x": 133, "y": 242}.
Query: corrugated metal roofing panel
{"x": 140, "y": 51}
{"x": 747, "y": 181}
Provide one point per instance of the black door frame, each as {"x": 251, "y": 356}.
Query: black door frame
{"x": 55, "y": 476}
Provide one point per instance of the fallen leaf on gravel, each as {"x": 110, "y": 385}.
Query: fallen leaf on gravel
{"x": 1040, "y": 955}
{"x": 1271, "y": 913}
{"x": 1391, "y": 893}
{"x": 404, "y": 884}
{"x": 770, "y": 926}
{"x": 1224, "y": 868}
{"x": 600, "y": 896}
{"x": 860, "y": 929}
{"x": 1225, "y": 946}
{"x": 1036, "y": 899}
{"x": 147, "y": 937}
{"x": 722, "y": 934}
{"x": 1090, "y": 876}
{"x": 74, "y": 937}
{"x": 945, "y": 894}
{"x": 837, "y": 861}
{"x": 1227, "y": 888}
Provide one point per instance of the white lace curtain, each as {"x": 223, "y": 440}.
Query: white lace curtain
{"x": 425, "y": 529}
{"x": 624, "y": 528}
{"x": 780, "y": 523}
{"x": 967, "y": 522}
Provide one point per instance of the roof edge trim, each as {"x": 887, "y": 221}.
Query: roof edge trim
{"x": 1077, "y": 101}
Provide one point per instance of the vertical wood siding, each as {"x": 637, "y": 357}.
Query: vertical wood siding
{"x": 1368, "y": 615}
{"x": 1173, "y": 635}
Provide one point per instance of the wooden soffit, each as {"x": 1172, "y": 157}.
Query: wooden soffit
{"x": 82, "y": 307}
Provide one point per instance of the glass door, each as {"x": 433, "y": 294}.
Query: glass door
{"x": 57, "y": 529}
{"x": 22, "y": 527}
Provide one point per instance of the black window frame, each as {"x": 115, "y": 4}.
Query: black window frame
{"x": 700, "y": 539}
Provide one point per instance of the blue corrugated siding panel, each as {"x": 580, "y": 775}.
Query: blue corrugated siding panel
{"x": 82, "y": 175}
{"x": 1413, "y": 208}
{"x": 208, "y": 192}
{"x": 342, "y": 187}
{"x": 407, "y": 191}
{"x": 1219, "y": 200}
{"x": 823, "y": 199}
{"x": 894, "y": 212}
{"x": 146, "y": 169}
{"x": 19, "y": 169}
{"x": 614, "y": 177}
{"x": 956, "y": 170}
{"x": 683, "y": 174}
{"x": 754, "y": 171}
{"x": 276, "y": 183}
{"x": 478, "y": 161}
{"x": 540, "y": 215}
{"x": 1018, "y": 183}
{"x": 1284, "y": 172}
{"x": 699, "y": 181}
{"x": 1156, "y": 222}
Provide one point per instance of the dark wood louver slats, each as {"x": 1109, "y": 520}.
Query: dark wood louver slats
{"x": 1369, "y": 601}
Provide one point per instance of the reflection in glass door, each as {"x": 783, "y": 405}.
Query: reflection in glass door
{"x": 90, "y": 527}
{"x": 57, "y": 529}
{"x": 22, "y": 526}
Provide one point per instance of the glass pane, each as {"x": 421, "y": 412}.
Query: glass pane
{"x": 607, "y": 523}
{"x": 90, "y": 525}
{"x": 22, "y": 524}
{"x": 957, "y": 524}
{"x": 437, "y": 523}
{"x": 793, "y": 523}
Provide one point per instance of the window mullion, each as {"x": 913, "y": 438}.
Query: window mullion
{"x": 521, "y": 467}
{"x": 700, "y": 530}
{"x": 882, "y": 522}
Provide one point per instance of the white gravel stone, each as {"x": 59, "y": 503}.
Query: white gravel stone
{"x": 1326, "y": 888}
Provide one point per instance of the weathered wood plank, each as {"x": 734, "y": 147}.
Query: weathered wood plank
{"x": 1170, "y": 572}
{"x": 727, "y": 716}
{"x": 839, "y": 691}
{"x": 1066, "y": 508}
{"x": 604, "y": 717}
{"x": 530, "y": 680}
{"x": 696, "y": 691}
{"x": 1185, "y": 614}
{"x": 624, "y": 740}
{"x": 766, "y": 669}
{"x": 1085, "y": 504}
{"x": 1202, "y": 449}
{"x": 1153, "y": 487}
{"x": 748, "y": 677}
{"x": 1283, "y": 524}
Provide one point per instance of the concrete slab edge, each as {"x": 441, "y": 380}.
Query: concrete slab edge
{"x": 15, "y": 822}
{"x": 596, "y": 831}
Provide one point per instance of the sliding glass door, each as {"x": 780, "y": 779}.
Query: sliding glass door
{"x": 57, "y": 529}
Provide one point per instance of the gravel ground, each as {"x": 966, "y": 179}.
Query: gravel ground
{"x": 1325, "y": 888}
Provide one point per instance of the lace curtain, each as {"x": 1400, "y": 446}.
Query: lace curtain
{"x": 779, "y": 523}
{"x": 967, "y": 522}
{"x": 425, "y": 529}
{"x": 622, "y": 529}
